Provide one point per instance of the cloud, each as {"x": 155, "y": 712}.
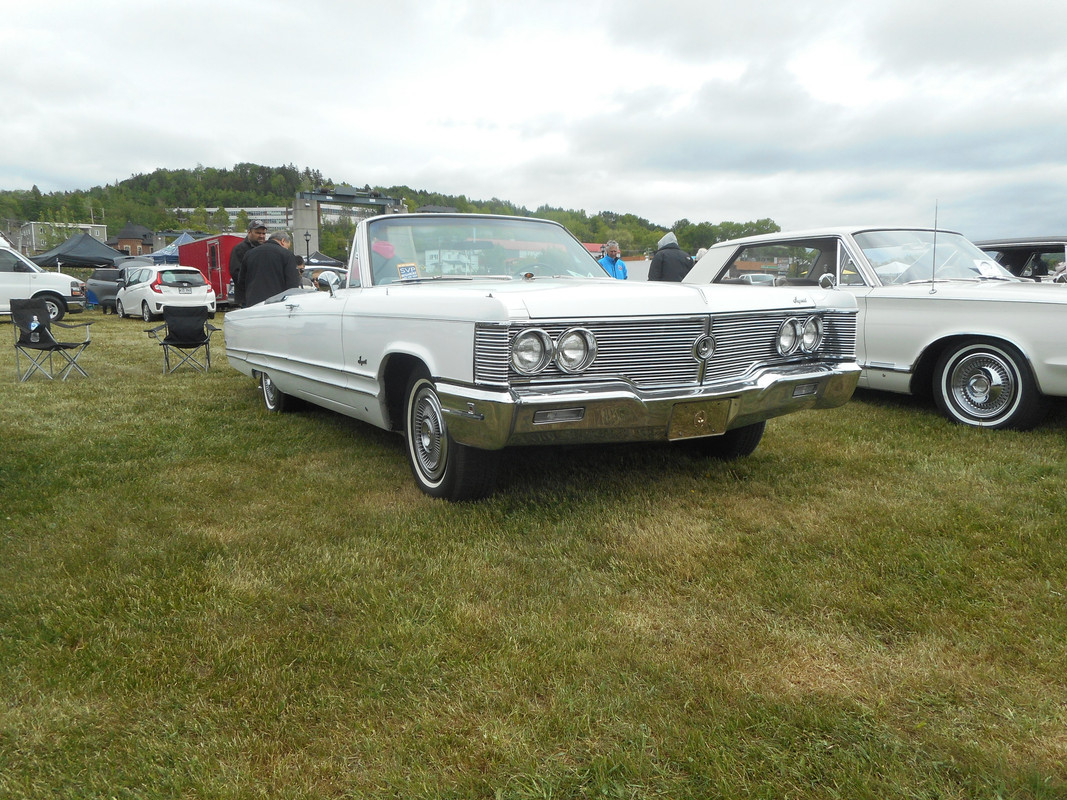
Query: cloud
{"x": 810, "y": 114}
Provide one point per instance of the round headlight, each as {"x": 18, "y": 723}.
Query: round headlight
{"x": 531, "y": 351}
{"x": 575, "y": 350}
{"x": 811, "y": 335}
{"x": 788, "y": 336}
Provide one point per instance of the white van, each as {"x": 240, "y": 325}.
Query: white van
{"x": 21, "y": 278}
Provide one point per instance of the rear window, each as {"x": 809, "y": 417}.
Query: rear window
{"x": 105, "y": 274}
{"x": 182, "y": 277}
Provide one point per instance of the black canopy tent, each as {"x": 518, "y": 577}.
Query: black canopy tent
{"x": 80, "y": 250}
{"x": 317, "y": 259}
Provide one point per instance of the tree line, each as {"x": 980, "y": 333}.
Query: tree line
{"x": 151, "y": 200}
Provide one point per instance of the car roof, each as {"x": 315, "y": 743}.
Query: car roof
{"x": 815, "y": 233}
{"x": 1023, "y": 241}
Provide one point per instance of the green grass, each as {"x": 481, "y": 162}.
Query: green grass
{"x": 198, "y": 599}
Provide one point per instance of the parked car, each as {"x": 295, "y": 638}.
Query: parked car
{"x": 1043, "y": 258}
{"x": 936, "y": 315}
{"x": 21, "y": 278}
{"x": 146, "y": 290}
{"x": 471, "y": 333}
{"x": 102, "y": 286}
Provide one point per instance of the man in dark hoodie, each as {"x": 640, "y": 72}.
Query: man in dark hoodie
{"x": 669, "y": 263}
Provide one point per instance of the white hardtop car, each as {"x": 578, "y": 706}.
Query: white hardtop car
{"x": 936, "y": 314}
{"x": 21, "y": 279}
{"x": 471, "y": 333}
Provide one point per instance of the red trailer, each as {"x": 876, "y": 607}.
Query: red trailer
{"x": 212, "y": 257}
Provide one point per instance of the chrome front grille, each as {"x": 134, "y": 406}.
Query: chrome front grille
{"x": 657, "y": 353}
{"x": 745, "y": 342}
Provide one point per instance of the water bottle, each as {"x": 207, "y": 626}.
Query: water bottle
{"x": 35, "y": 336}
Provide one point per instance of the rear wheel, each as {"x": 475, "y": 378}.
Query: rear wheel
{"x": 442, "y": 467}
{"x": 146, "y": 313}
{"x": 738, "y": 443}
{"x": 988, "y": 385}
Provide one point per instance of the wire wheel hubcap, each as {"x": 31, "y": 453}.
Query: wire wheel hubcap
{"x": 982, "y": 384}
{"x": 429, "y": 442}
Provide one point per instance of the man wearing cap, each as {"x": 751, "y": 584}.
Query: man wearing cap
{"x": 257, "y": 235}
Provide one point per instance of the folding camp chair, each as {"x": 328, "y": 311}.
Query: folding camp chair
{"x": 35, "y": 340}
{"x": 186, "y": 331}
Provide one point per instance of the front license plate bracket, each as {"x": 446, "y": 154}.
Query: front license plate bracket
{"x": 699, "y": 418}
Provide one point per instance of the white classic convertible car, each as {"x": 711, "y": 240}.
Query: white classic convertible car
{"x": 471, "y": 333}
{"x": 936, "y": 315}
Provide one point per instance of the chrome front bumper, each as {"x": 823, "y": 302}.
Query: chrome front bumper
{"x": 619, "y": 412}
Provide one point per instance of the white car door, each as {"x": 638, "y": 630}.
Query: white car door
{"x": 134, "y": 293}
{"x": 14, "y": 280}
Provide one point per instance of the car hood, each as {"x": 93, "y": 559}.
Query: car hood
{"x": 1015, "y": 291}
{"x": 546, "y": 298}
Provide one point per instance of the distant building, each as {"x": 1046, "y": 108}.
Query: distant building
{"x": 276, "y": 218}
{"x": 133, "y": 240}
{"x": 36, "y": 237}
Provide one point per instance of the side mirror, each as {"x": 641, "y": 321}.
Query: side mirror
{"x": 827, "y": 281}
{"x": 328, "y": 281}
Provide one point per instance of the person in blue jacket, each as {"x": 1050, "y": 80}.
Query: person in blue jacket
{"x": 615, "y": 266}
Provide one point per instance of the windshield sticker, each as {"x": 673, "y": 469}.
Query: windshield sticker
{"x": 408, "y": 272}
{"x": 987, "y": 269}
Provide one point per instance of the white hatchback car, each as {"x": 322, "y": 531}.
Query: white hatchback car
{"x": 147, "y": 289}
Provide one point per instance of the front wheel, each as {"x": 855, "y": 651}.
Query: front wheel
{"x": 738, "y": 443}
{"x": 988, "y": 385}
{"x": 442, "y": 468}
{"x": 275, "y": 400}
{"x": 119, "y": 311}
{"x": 55, "y": 306}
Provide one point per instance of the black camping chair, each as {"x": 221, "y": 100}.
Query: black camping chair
{"x": 35, "y": 340}
{"x": 187, "y": 331}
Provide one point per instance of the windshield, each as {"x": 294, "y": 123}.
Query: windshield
{"x": 407, "y": 248}
{"x": 905, "y": 256}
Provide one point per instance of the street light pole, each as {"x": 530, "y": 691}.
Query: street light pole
{"x": 307, "y": 244}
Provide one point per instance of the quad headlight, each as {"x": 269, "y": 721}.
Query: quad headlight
{"x": 803, "y": 335}
{"x": 811, "y": 334}
{"x": 533, "y": 350}
{"x": 575, "y": 350}
{"x": 788, "y": 335}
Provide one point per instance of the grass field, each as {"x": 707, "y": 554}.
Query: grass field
{"x": 198, "y": 599}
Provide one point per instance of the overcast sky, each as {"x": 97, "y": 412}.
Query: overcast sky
{"x": 810, "y": 113}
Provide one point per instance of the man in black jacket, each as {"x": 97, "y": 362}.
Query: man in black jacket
{"x": 257, "y": 235}
{"x": 268, "y": 270}
{"x": 670, "y": 263}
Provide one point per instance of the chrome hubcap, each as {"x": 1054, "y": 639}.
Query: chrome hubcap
{"x": 982, "y": 384}
{"x": 428, "y": 439}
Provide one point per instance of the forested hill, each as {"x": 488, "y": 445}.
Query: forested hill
{"x": 148, "y": 199}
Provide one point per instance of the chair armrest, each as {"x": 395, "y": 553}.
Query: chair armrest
{"x": 74, "y": 324}
{"x": 212, "y": 328}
